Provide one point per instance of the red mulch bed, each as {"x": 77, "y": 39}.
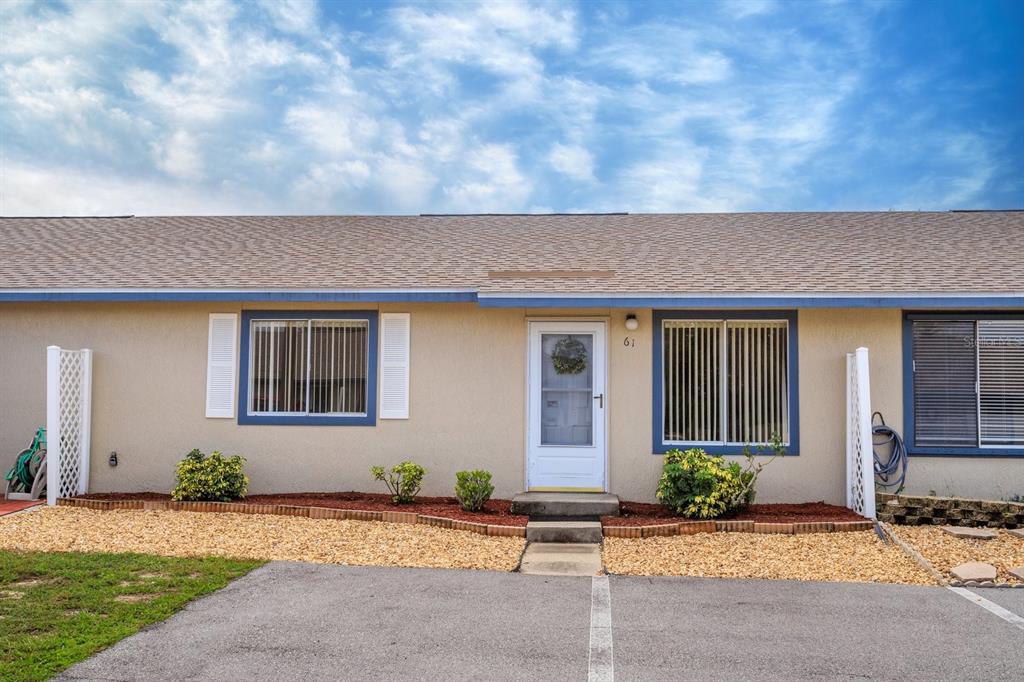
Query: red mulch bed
{"x": 495, "y": 511}
{"x": 644, "y": 514}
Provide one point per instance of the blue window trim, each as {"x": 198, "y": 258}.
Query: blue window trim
{"x": 908, "y": 387}
{"x": 369, "y": 419}
{"x": 659, "y": 446}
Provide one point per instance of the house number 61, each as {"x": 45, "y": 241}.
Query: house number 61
{"x": 629, "y": 342}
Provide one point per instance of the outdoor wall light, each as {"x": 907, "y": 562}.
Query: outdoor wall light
{"x": 112, "y": 460}
{"x": 632, "y": 324}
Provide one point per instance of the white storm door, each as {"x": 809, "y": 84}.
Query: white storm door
{"x": 567, "y": 399}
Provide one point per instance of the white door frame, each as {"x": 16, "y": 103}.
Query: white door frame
{"x": 598, "y": 327}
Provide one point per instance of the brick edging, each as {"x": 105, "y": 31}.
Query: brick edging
{"x": 666, "y": 529}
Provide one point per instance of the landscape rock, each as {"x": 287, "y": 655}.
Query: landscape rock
{"x": 1017, "y": 572}
{"x": 974, "y": 570}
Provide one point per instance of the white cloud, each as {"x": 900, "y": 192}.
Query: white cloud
{"x": 340, "y": 130}
{"x": 31, "y": 190}
{"x": 179, "y": 156}
{"x": 573, "y": 161}
{"x": 741, "y": 9}
{"x": 491, "y": 182}
{"x": 292, "y": 16}
{"x": 500, "y": 37}
{"x": 664, "y": 53}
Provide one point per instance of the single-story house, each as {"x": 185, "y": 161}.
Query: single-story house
{"x": 560, "y": 352}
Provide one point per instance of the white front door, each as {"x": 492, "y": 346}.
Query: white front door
{"x": 567, "y": 397}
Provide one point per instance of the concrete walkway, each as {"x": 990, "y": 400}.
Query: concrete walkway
{"x": 311, "y": 622}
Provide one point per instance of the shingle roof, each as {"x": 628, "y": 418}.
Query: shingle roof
{"x": 807, "y": 253}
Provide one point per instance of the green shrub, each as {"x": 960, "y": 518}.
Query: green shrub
{"x": 403, "y": 480}
{"x": 210, "y": 479}
{"x": 473, "y": 489}
{"x": 697, "y": 485}
{"x": 748, "y": 476}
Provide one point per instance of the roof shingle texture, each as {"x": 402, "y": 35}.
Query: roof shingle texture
{"x": 892, "y": 252}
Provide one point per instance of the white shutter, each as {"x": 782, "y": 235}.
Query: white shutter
{"x": 220, "y": 365}
{"x": 394, "y": 365}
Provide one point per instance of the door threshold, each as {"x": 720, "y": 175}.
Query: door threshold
{"x": 562, "y": 489}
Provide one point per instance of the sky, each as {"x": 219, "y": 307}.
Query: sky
{"x": 299, "y": 107}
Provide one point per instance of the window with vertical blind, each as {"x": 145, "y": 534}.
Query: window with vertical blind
{"x": 724, "y": 382}
{"x": 308, "y": 368}
{"x": 966, "y": 384}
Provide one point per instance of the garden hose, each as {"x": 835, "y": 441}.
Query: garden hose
{"x": 23, "y": 474}
{"x": 892, "y": 471}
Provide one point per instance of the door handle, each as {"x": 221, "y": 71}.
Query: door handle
{"x": 600, "y": 400}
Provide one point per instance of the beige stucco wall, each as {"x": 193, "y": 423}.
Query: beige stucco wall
{"x": 467, "y": 402}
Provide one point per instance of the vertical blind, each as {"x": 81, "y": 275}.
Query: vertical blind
{"x": 725, "y": 381}
{"x": 968, "y": 382}
{"x": 308, "y": 367}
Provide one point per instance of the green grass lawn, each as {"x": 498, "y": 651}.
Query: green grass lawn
{"x": 57, "y": 609}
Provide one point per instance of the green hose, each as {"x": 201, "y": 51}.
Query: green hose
{"x": 23, "y": 473}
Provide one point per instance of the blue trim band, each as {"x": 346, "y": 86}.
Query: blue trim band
{"x": 658, "y": 445}
{"x": 553, "y": 301}
{"x": 244, "y": 296}
{"x": 369, "y": 419}
{"x": 746, "y": 302}
{"x": 908, "y": 389}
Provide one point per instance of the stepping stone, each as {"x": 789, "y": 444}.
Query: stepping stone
{"x": 564, "y": 531}
{"x": 1017, "y": 532}
{"x": 544, "y": 558}
{"x": 1017, "y": 572}
{"x": 974, "y": 570}
{"x": 969, "y": 533}
{"x": 566, "y": 504}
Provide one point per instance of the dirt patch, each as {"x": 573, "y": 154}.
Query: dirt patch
{"x": 495, "y": 512}
{"x": 645, "y": 514}
{"x": 11, "y": 594}
{"x": 33, "y": 582}
{"x": 945, "y": 551}
{"x": 838, "y": 557}
{"x": 257, "y": 536}
{"x": 135, "y": 598}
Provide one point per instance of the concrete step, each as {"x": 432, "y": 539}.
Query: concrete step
{"x": 563, "y": 531}
{"x": 566, "y": 504}
{"x": 541, "y": 558}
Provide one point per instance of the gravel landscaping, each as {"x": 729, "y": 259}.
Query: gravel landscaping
{"x": 945, "y": 551}
{"x": 169, "y": 533}
{"x": 838, "y": 557}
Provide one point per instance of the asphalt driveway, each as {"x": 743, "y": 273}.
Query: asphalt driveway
{"x": 302, "y": 621}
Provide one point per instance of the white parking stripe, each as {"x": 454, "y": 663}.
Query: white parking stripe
{"x": 1008, "y": 616}
{"x": 601, "y": 662}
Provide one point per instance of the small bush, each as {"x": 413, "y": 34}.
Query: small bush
{"x": 697, "y": 485}
{"x": 753, "y": 468}
{"x": 210, "y": 479}
{"x": 473, "y": 489}
{"x": 403, "y": 480}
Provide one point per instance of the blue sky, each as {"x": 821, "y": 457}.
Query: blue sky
{"x": 304, "y": 107}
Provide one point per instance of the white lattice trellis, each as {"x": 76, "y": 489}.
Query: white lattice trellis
{"x": 68, "y": 419}
{"x": 860, "y": 460}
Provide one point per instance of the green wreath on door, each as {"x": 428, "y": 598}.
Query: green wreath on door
{"x": 569, "y": 356}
